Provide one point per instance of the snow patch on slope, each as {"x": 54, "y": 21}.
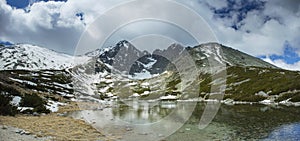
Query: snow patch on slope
{"x": 214, "y": 50}
{"x": 144, "y": 74}
{"x": 31, "y": 57}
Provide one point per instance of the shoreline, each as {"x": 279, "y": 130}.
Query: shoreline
{"x": 59, "y": 126}
{"x": 10, "y": 133}
{"x": 53, "y": 126}
{"x": 227, "y": 101}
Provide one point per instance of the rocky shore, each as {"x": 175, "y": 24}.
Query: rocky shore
{"x": 53, "y": 126}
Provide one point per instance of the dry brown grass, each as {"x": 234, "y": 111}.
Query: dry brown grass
{"x": 58, "y": 127}
{"x": 71, "y": 106}
{"x": 77, "y": 106}
{"x": 61, "y": 128}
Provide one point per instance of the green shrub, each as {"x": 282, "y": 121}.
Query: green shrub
{"x": 9, "y": 89}
{"x": 295, "y": 97}
{"x": 140, "y": 89}
{"x": 253, "y": 98}
{"x": 245, "y": 97}
{"x": 172, "y": 93}
{"x": 5, "y": 107}
{"x": 27, "y": 111}
{"x": 272, "y": 81}
{"x": 284, "y": 97}
{"x": 41, "y": 109}
{"x": 171, "y": 85}
{"x": 33, "y": 100}
{"x": 205, "y": 85}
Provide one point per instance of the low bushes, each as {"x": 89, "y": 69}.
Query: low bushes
{"x": 34, "y": 101}
{"x": 294, "y": 97}
{"x": 5, "y": 107}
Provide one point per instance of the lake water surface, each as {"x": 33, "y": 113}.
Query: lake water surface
{"x": 179, "y": 121}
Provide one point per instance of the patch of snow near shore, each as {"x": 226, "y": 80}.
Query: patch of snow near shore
{"x": 53, "y": 105}
{"x": 170, "y": 97}
{"x": 135, "y": 95}
{"x": 16, "y": 100}
{"x": 289, "y": 103}
{"x": 262, "y": 93}
{"x": 24, "y": 108}
{"x": 266, "y": 101}
{"x": 146, "y": 92}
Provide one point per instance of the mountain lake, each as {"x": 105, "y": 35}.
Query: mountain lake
{"x": 175, "y": 120}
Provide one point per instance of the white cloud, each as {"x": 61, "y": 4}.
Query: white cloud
{"x": 257, "y": 36}
{"x": 50, "y": 24}
{"x": 217, "y": 3}
{"x": 56, "y": 26}
{"x": 39, "y": 26}
{"x": 282, "y": 64}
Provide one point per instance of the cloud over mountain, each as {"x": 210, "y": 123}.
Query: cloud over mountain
{"x": 258, "y": 27}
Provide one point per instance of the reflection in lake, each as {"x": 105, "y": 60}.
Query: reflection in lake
{"x": 242, "y": 122}
{"x": 133, "y": 120}
{"x": 143, "y": 112}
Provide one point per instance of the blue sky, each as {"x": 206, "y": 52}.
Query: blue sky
{"x": 25, "y": 3}
{"x": 18, "y": 3}
{"x": 290, "y": 55}
{"x": 240, "y": 8}
{"x": 268, "y": 29}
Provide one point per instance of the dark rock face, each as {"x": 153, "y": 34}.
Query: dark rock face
{"x": 124, "y": 57}
{"x": 155, "y": 64}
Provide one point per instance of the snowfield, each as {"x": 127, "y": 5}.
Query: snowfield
{"x": 31, "y": 57}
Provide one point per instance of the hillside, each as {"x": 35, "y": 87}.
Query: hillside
{"x": 99, "y": 75}
{"x": 31, "y": 57}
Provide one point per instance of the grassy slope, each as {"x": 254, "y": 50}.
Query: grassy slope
{"x": 281, "y": 84}
{"x": 35, "y": 88}
{"x": 242, "y": 83}
{"x": 44, "y": 80}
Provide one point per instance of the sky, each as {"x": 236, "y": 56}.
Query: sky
{"x": 268, "y": 29}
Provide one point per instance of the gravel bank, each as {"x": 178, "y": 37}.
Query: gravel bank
{"x": 8, "y": 133}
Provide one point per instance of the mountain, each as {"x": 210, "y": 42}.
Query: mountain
{"x": 123, "y": 71}
{"x": 121, "y": 56}
{"x": 125, "y": 57}
{"x": 31, "y": 57}
{"x": 94, "y": 53}
{"x": 46, "y": 82}
{"x": 224, "y": 55}
{"x": 248, "y": 78}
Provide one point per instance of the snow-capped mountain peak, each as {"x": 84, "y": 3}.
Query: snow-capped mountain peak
{"x": 224, "y": 55}
{"x": 124, "y": 43}
{"x": 123, "y": 57}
